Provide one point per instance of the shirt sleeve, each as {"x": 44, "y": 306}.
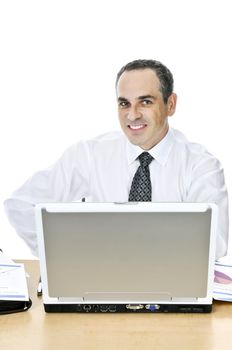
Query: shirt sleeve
{"x": 65, "y": 181}
{"x": 207, "y": 184}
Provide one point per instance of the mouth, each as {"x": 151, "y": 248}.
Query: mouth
{"x": 137, "y": 127}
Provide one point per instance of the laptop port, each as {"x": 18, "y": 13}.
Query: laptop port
{"x": 112, "y": 308}
{"x": 104, "y": 308}
{"x": 134, "y": 307}
{"x": 185, "y": 309}
{"x": 152, "y": 307}
{"x": 197, "y": 309}
{"x": 87, "y": 308}
{"x": 95, "y": 308}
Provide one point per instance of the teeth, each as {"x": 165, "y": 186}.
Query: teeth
{"x": 135, "y": 127}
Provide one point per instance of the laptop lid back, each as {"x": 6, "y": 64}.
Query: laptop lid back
{"x": 136, "y": 252}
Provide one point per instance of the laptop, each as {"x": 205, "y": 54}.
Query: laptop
{"x": 131, "y": 257}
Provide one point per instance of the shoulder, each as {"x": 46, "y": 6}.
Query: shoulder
{"x": 181, "y": 141}
{"x": 113, "y": 136}
{"x": 102, "y": 143}
{"x": 107, "y": 142}
{"x": 194, "y": 153}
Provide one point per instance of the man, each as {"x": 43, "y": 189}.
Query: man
{"x": 152, "y": 163}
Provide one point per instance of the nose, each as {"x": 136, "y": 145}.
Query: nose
{"x": 134, "y": 113}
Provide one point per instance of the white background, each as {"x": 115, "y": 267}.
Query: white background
{"x": 58, "y": 62}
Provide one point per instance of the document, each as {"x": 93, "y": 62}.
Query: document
{"x": 13, "y": 283}
{"x": 223, "y": 280}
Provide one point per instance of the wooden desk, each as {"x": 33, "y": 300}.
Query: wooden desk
{"x": 35, "y": 329}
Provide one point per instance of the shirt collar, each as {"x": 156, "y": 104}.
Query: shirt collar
{"x": 159, "y": 152}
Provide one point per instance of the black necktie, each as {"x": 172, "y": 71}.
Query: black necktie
{"x": 141, "y": 185}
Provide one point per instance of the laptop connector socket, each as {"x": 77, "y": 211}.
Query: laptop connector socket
{"x": 134, "y": 307}
{"x": 87, "y": 308}
{"x": 152, "y": 307}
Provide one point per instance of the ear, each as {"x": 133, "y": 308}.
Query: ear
{"x": 172, "y": 104}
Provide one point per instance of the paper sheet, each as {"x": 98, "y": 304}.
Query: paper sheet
{"x": 223, "y": 281}
{"x": 13, "y": 283}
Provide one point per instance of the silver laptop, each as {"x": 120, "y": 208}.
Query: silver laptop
{"x": 132, "y": 257}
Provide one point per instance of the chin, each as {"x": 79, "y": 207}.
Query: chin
{"x": 135, "y": 142}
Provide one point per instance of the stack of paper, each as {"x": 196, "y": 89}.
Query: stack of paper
{"x": 13, "y": 283}
{"x": 223, "y": 280}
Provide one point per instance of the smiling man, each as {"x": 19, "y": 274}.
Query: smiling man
{"x": 143, "y": 111}
{"x": 149, "y": 161}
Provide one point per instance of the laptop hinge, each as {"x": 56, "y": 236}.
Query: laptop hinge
{"x": 184, "y": 300}
{"x": 126, "y": 296}
{"x": 71, "y": 299}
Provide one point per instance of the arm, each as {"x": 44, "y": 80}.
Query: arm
{"x": 208, "y": 185}
{"x": 66, "y": 181}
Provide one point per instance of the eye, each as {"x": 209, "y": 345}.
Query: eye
{"x": 123, "y": 104}
{"x": 146, "y": 102}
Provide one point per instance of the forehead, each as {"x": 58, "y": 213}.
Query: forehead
{"x": 138, "y": 83}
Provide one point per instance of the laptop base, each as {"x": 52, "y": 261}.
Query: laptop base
{"x": 128, "y": 308}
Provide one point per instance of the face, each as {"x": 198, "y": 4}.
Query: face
{"x": 143, "y": 115}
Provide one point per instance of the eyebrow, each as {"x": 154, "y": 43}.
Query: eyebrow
{"x": 143, "y": 97}
{"x": 122, "y": 99}
{"x": 146, "y": 96}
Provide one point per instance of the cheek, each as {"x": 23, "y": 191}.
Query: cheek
{"x": 152, "y": 116}
{"x": 121, "y": 120}
{"x": 157, "y": 117}
{"x": 122, "y": 116}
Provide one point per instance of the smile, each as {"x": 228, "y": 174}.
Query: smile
{"x": 137, "y": 127}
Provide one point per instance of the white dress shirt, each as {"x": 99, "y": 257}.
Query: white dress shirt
{"x": 102, "y": 169}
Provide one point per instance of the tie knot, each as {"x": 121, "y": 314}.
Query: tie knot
{"x": 145, "y": 159}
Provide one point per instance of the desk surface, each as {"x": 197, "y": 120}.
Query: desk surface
{"x": 35, "y": 329}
